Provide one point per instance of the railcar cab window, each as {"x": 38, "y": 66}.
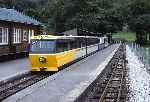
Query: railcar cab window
{"x": 43, "y": 46}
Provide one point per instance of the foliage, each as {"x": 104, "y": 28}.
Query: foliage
{"x": 139, "y": 14}
{"x": 141, "y": 23}
{"x": 128, "y": 36}
{"x": 61, "y": 15}
{"x": 139, "y": 7}
{"x": 139, "y": 20}
{"x": 94, "y": 15}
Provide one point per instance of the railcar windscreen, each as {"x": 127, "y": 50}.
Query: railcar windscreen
{"x": 43, "y": 46}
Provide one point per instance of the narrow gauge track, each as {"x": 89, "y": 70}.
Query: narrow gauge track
{"x": 108, "y": 87}
{"x": 113, "y": 85}
{"x": 9, "y": 88}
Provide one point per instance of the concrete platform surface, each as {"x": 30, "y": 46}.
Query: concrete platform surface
{"x": 13, "y": 68}
{"x": 68, "y": 84}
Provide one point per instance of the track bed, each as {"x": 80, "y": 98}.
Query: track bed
{"x": 110, "y": 86}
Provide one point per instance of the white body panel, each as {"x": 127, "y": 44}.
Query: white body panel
{"x": 90, "y": 49}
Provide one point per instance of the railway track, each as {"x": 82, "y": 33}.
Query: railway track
{"x": 112, "y": 88}
{"x": 9, "y": 88}
{"x": 17, "y": 84}
{"x": 109, "y": 86}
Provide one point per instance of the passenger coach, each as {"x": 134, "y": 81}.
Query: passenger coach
{"x": 50, "y": 53}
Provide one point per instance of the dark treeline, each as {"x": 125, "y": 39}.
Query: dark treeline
{"x": 95, "y": 15}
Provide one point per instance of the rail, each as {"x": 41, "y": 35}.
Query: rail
{"x": 9, "y": 88}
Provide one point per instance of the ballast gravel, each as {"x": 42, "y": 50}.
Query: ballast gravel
{"x": 138, "y": 79}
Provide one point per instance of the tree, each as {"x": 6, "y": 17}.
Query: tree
{"x": 139, "y": 7}
{"x": 60, "y": 15}
{"x": 139, "y": 21}
{"x": 7, "y": 3}
{"x": 141, "y": 25}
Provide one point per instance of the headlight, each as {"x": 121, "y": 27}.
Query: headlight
{"x": 42, "y": 59}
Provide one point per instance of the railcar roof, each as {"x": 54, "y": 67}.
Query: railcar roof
{"x": 58, "y": 37}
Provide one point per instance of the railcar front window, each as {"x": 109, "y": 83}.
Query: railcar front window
{"x": 38, "y": 46}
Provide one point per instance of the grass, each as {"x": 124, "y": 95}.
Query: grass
{"x": 128, "y": 36}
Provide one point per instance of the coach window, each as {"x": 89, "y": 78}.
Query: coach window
{"x": 79, "y": 42}
{"x": 83, "y": 42}
{"x": 61, "y": 46}
{"x": 73, "y": 45}
{"x": 31, "y": 33}
{"x": 89, "y": 41}
{"x": 3, "y": 36}
{"x": 105, "y": 40}
{"x": 65, "y": 46}
{"x": 102, "y": 40}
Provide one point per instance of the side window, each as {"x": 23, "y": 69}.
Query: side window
{"x": 73, "y": 45}
{"x": 62, "y": 45}
{"x": 66, "y": 46}
{"x": 105, "y": 40}
{"x": 102, "y": 40}
{"x": 25, "y": 35}
{"x": 59, "y": 46}
{"x": 78, "y": 42}
{"x": 89, "y": 41}
{"x": 32, "y": 32}
{"x": 84, "y": 41}
{"x": 17, "y": 35}
{"x": 81, "y": 42}
{"x": 1, "y": 32}
{"x": 3, "y": 35}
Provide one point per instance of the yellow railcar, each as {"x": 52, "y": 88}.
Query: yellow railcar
{"x": 50, "y": 53}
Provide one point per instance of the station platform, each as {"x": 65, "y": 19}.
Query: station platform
{"x": 67, "y": 84}
{"x": 12, "y": 68}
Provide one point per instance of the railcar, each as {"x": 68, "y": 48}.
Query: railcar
{"x": 50, "y": 53}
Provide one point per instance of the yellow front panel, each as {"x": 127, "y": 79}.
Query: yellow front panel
{"x": 50, "y": 65}
{"x": 53, "y": 61}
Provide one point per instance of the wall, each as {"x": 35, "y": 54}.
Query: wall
{"x": 18, "y": 47}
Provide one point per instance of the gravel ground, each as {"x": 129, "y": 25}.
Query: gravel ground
{"x": 138, "y": 79}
